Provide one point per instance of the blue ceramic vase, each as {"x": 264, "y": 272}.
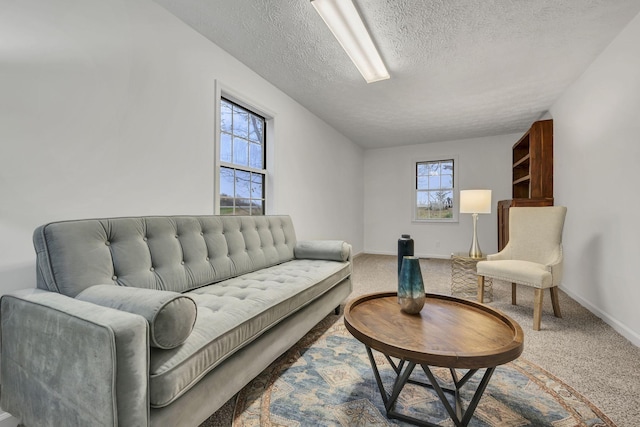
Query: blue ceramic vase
{"x": 410, "y": 286}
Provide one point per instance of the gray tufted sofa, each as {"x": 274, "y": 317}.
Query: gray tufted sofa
{"x": 159, "y": 320}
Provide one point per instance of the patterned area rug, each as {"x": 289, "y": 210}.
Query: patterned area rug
{"x": 326, "y": 380}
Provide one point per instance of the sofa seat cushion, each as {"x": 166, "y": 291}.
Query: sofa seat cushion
{"x": 233, "y": 313}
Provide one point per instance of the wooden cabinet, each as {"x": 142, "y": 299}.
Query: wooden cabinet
{"x": 532, "y": 174}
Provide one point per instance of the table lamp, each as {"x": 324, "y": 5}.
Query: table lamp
{"x": 475, "y": 202}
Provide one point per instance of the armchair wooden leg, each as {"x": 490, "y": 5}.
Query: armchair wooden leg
{"x": 537, "y": 309}
{"x": 513, "y": 294}
{"x": 555, "y": 302}
{"x": 480, "y": 288}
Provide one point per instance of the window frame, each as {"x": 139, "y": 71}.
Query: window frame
{"x": 414, "y": 202}
{"x": 225, "y": 93}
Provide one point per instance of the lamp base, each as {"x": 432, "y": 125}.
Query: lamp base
{"x": 475, "y": 251}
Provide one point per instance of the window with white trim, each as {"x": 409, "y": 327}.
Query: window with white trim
{"x": 435, "y": 199}
{"x": 242, "y": 160}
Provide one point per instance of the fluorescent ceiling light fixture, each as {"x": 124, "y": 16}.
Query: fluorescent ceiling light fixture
{"x": 342, "y": 18}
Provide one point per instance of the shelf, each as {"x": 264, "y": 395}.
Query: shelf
{"x": 523, "y": 179}
{"x": 522, "y": 160}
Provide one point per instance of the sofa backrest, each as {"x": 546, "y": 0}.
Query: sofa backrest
{"x": 175, "y": 253}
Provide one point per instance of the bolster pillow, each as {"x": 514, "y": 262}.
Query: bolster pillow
{"x": 171, "y": 316}
{"x": 333, "y": 250}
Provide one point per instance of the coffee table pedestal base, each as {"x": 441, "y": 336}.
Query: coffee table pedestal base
{"x": 403, "y": 370}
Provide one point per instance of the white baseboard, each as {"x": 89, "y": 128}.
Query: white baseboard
{"x": 614, "y": 323}
{"x": 7, "y": 420}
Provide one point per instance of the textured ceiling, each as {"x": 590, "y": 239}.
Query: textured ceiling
{"x": 459, "y": 68}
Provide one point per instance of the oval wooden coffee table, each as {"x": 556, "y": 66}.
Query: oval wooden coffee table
{"x": 449, "y": 332}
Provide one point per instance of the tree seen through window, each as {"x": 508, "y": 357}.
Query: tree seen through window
{"x": 242, "y": 160}
{"x": 434, "y": 190}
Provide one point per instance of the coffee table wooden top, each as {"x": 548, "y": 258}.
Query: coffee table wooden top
{"x": 448, "y": 332}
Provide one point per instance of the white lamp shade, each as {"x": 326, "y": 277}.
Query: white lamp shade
{"x": 475, "y": 201}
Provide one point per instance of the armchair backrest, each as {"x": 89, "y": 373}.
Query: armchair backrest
{"x": 535, "y": 233}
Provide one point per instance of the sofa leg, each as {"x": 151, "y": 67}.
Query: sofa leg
{"x": 555, "y": 302}
{"x": 537, "y": 309}
{"x": 336, "y": 310}
{"x": 480, "y": 289}
{"x": 513, "y": 294}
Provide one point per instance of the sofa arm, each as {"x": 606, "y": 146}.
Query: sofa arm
{"x": 333, "y": 250}
{"x": 71, "y": 362}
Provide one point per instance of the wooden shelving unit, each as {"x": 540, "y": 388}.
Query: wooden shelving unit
{"x": 533, "y": 163}
{"x": 532, "y": 174}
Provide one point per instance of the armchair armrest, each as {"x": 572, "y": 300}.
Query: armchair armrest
{"x": 333, "y": 250}
{"x": 72, "y": 361}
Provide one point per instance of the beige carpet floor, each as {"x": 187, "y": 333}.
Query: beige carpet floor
{"x": 580, "y": 349}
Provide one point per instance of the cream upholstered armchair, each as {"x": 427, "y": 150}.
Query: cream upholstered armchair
{"x": 532, "y": 257}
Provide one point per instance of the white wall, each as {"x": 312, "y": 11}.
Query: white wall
{"x": 389, "y": 184}
{"x": 597, "y": 155}
{"x": 107, "y": 109}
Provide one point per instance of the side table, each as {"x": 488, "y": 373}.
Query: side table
{"x": 464, "y": 280}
